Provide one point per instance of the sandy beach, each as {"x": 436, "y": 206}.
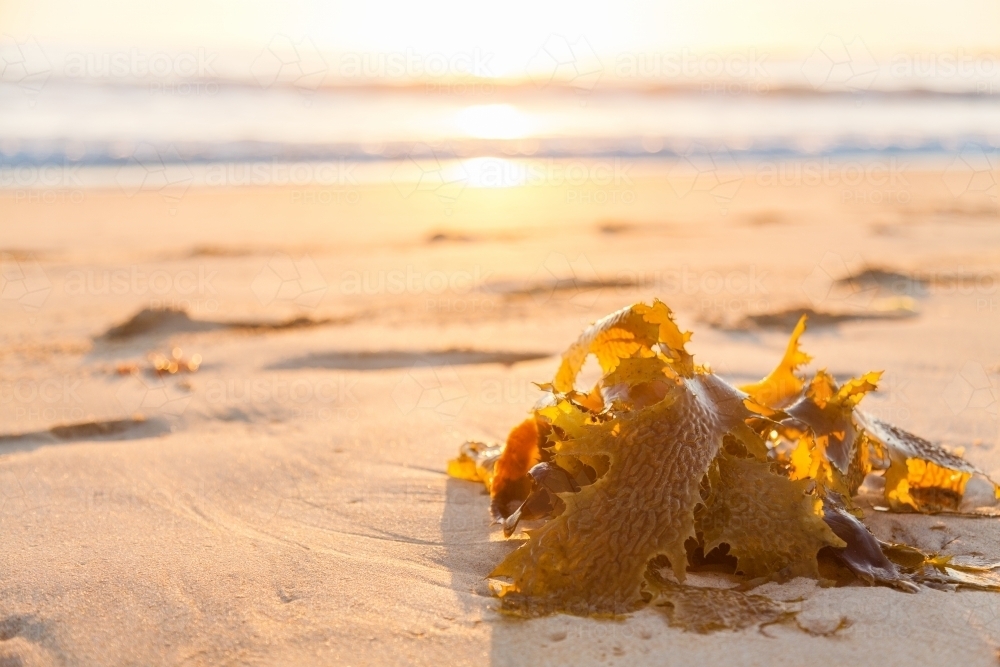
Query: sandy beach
{"x": 286, "y": 503}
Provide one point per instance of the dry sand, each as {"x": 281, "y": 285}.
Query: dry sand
{"x": 286, "y": 504}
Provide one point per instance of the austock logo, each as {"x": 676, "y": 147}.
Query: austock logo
{"x": 24, "y": 64}
{"x": 561, "y": 61}
{"x": 708, "y": 170}
{"x": 144, "y": 392}
{"x": 836, "y": 65}
{"x": 411, "y": 64}
{"x": 560, "y": 279}
{"x": 53, "y": 400}
{"x": 973, "y": 397}
{"x": 422, "y": 171}
{"x": 148, "y": 169}
{"x": 428, "y": 387}
{"x": 21, "y": 492}
{"x": 23, "y": 281}
{"x": 821, "y": 285}
{"x": 973, "y": 388}
{"x": 290, "y": 62}
{"x": 275, "y": 492}
{"x": 284, "y": 279}
{"x": 974, "y": 171}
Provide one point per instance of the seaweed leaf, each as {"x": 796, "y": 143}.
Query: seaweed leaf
{"x": 664, "y": 463}
{"x": 771, "y": 523}
{"x": 921, "y": 476}
{"x": 592, "y": 556}
{"x": 782, "y": 385}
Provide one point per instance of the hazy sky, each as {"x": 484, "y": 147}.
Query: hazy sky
{"x": 512, "y": 29}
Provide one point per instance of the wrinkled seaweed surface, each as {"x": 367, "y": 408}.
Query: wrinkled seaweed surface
{"x": 663, "y": 468}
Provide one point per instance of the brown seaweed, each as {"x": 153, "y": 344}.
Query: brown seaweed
{"x": 664, "y": 463}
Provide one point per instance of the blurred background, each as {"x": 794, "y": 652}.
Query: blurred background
{"x": 144, "y": 96}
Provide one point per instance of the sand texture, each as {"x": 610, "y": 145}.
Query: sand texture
{"x": 287, "y": 502}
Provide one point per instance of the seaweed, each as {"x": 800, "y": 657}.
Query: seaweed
{"x": 705, "y": 610}
{"x": 664, "y": 467}
{"x": 161, "y": 364}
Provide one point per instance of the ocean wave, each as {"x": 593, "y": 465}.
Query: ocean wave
{"x": 80, "y": 123}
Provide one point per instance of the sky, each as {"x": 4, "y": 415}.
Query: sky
{"x": 513, "y": 30}
{"x": 181, "y": 55}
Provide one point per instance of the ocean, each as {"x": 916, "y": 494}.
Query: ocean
{"x": 91, "y": 130}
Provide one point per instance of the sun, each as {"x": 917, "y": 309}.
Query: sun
{"x": 493, "y": 121}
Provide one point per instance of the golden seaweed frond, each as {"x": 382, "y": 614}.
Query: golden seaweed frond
{"x": 637, "y": 331}
{"x": 770, "y": 522}
{"x": 921, "y": 476}
{"x": 664, "y": 462}
{"x": 475, "y": 462}
{"x": 782, "y": 385}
